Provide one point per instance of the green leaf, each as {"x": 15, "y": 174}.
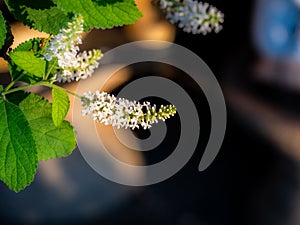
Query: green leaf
{"x": 60, "y": 106}
{"x": 34, "y": 14}
{"x": 16, "y": 72}
{"x": 6, "y": 37}
{"x": 18, "y": 156}
{"x": 17, "y": 97}
{"x": 48, "y": 20}
{"x": 2, "y": 30}
{"x": 51, "y": 141}
{"x": 33, "y": 45}
{"x": 29, "y": 62}
{"x": 40, "y": 15}
{"x": 102, "y": 14}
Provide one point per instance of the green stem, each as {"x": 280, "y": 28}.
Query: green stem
{"x": 45, "y": 77}
{"x": 20, "y": 88}
{"x": 14, "y": 81}
{"x": 43, "y": 51}
{"x": 9, "y": 85}
{"x": 41, "y": 83}
{"x": 46, "y": 43}
{"x": 61, "y": 88}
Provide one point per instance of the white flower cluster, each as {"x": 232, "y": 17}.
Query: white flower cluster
{"x": 72, "y": 65}
{"x": 193, "y": 16}
{"x": 120, "y": 112}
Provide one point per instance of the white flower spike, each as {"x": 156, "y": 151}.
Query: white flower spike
{"x": 72, "y": 65}
{"x": 193, "y": 16}
{"x": 122, "y": 113}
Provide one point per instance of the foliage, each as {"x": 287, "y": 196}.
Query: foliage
{"x": 31, "y": 128}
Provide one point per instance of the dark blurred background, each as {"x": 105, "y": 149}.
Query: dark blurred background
{"x": 255, "y": 178}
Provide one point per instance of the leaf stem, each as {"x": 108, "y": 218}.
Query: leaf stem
{"x": 45, "y": 44}
{"x": 14, "y": 81}
{"x": 9, "y": 85}
{"x": 41, "y": 83}
{"x": 61, "y": 88}
{"x": 45, "y": 77}
{"x": 20, "y": 88}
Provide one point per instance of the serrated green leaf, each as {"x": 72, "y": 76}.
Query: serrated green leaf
{"x": 102, "y": 14}
{"x": 40, "y": 15}
{"x": 60, "y": 106}
{"x": 2, "y": 30}
{"x": 6, "y": 37}
{"x": 29, "y": 62}
{"x": 16, "y": 71}
{"x": 17, "y": 97}
{"x": 18, "y": 156}
{"x": 47, "y": 20}
{"x": 51, "y": 141}
{"x": 19, "y": 9}
{"x": 33, "y": 45}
